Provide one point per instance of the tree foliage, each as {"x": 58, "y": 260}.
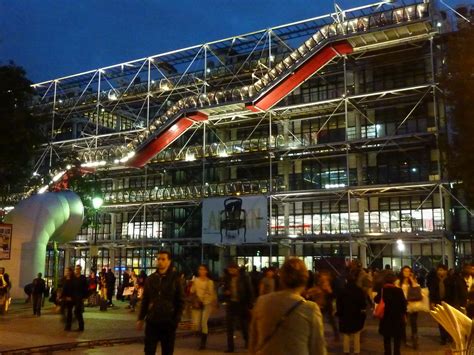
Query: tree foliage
{"x": 20, "y": 132}
{"x": 458, "y": 84}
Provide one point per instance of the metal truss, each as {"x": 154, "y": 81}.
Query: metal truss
{"x": 117, "y": 109}
{"x": 136, "y": 92}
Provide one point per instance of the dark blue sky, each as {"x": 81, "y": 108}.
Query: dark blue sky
{"x": 53, "y": 38}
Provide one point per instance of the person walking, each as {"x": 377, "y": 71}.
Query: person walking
{"x": 110, "y": 286}
{"x": 268, "y": 282}
{"x": 79, "y": 282}
{"x": 204, "y": 297}
{"x": 239, "y": 298}
{"x": 438, "y": 286}
{"x": 37, "y": 292}
{"x": 103, "y": 284}
{"x": 467, "y": 273}
{"x": 73, "y": 294}
{"x": 66, "y": 296}
{"x": 283, "y": 322}
{"x": 412, "y": 292}
{"x": 137, "y": 294}
{"x": 5, "y": 287}
{"x": 323, "y": 294}
{"x": 351, "y": 307}
{"x": 92, "y": 296}
{"x": 162, "y": 306}
{"x": 393, "y": 322}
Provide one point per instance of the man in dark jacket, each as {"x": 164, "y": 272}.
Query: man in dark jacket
{"x": 110, "y": 285}
{"x": 351, "y": 306}
{"x": 439, "y": 291}
{"x": 79, "y": 290}
{"x": 37, "y": 291}
{"x": 239, "y": 298}
{"x": 162, "y": 306}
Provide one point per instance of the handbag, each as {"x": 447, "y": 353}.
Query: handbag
{"x": 128, "y": 291}
{"x": 196, "y": 303}
{"x": 379, "y": 309}
{"x": 278, "y": 325}
{"x": 414, "y": 294}
{"x": 420, "y": 306}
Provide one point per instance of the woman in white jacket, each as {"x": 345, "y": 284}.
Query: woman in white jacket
{"x": 412, "y": 291}
{"x": 203, "y": 295}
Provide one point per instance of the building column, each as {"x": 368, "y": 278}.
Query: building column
{"x": 363, "y": 254}
{"x": 112, "y": 258}
{"x": 284, "y": 250}
{"x": 67, "y": 257}
{"x": 286, "y": 218}
{"x": 449, "y": 252}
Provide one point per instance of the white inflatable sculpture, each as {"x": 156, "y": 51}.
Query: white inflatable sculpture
{"x": 52, "y": 216}
{"x": 458, "y": 325}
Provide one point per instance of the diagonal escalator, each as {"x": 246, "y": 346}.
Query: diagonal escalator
{"x": 328, "y": 43}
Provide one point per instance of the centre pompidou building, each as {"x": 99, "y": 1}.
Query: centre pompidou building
{"x": 335, "y": 120}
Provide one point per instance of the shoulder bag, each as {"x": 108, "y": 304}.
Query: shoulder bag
{"x": 380, "y": 307}
{"x": 278, "y": 325}
{"x": 414, "y": 294}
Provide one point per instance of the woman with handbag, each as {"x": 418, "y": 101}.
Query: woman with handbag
{"x": 412, "y": 291}
{"x": 203, "y": 299}
{"x": 392, "y": 321}
{"x": 283, "y": 322}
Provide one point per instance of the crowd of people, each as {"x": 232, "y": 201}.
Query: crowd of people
{"x": 278, "y": 311}
{"x": 281, "y": 311}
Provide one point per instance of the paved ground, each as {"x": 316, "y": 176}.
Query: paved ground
{"x": 20, "y": 329}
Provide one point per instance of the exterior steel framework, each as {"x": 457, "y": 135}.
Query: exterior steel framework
{"x": 330, "y": 145}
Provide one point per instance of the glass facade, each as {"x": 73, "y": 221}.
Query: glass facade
{"x": 350, "y": 161}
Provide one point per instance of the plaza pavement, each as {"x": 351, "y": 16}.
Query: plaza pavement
{"x": 19, "y": 329}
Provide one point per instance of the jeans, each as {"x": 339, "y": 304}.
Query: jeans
{"x": 346, "y": 342}
{"x": 164, "y": 333}
{"x": 387, "y": 345}
{"x": 37, "y": 302}
{"x": 236, "y": 312}
{"x": 331, "y": 319}
{"x": 445, "y": 337}
{"x": 413, "y": 320}
{"x": 110, "y": 294}
{"x": 200, "y": 318}
{"x": 78, "y": 310}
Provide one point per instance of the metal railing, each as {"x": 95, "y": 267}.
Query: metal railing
{"x": 189, "y": 192}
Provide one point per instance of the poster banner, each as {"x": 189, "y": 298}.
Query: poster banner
{"x": 234, "y": 220}
{"x": 5, "y": 241}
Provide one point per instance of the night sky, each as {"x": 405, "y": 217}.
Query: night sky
{"x": 54, "y": 38}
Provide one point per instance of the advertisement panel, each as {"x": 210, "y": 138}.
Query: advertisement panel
{"x": 234, "y": 220}
{"x": 5, "y": 241}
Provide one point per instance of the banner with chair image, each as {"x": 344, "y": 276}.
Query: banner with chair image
{"x": 234, "y": 220}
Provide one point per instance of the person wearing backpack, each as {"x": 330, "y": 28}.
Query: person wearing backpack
{"x": 392, "y": 321}
{"x": 284, "y": 322}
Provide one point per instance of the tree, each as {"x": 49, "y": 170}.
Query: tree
{"x": 458, "y": 84}
{"x": 19, "y": 130}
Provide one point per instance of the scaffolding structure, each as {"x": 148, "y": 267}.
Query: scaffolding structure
{"x": 348, "y": 151}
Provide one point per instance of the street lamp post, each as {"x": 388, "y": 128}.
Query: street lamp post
{"x": 97, "y": 203}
